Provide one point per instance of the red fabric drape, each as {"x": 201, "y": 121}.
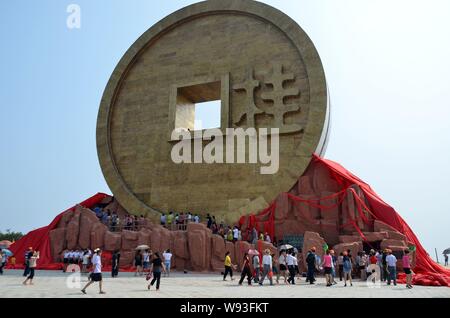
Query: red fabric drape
{"x": 430, "y": 273}
{"x": 39, "y": 239}
{"x": 427, "y": 271}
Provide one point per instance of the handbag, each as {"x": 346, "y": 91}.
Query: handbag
{"x": 149, "y": 276}
{"x": 270, "y": 274}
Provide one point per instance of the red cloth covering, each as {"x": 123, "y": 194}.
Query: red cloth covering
{"x": 40, "y": 240}
{"x": 427, "y": 272}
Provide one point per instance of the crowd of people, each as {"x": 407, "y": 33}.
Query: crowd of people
{"x": 178, "y": 221}
{"x": 143, "y": 260}
{"x": 372, "y": 267}
{"x": 115, "y": 223}
{"x": 81, "y": 258}
{"x": 233, "y": 234}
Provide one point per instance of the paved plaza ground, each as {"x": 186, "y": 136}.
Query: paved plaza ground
{"x": 53, "y": 284}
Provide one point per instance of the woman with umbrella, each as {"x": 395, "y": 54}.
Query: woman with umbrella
{"x": 246, "y": 270}
{"x": 446, "y": 252}
{"x": 4, "y": 254}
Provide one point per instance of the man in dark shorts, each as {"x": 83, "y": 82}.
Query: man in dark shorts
{"x": 28, "y": 254}
{"x": 96, "y": 275}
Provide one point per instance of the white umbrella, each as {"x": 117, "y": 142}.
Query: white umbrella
{"x": 252, "y": 252}
{"x": 286, "y": 247}
{"x": 143, "y": 247}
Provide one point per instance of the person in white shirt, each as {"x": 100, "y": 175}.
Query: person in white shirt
{"x": 268, "y": 240}
{"x": 85, "y": 262}
{"x": 167, "y": 256}
{"x": 96, "y": 275}
{"x": 290, "y": 261}
{"x": 391, "y": 261}
{"x": 235, "y": 234}
{"x": 146, "y": 260}
{"x": 267, "y": 267}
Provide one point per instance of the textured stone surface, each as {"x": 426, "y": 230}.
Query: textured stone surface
{"x": 349, "y": 238}
{"x": 126, "y": 258}
{"x": 98, "y": 233}
{"x": 218, "y": 245}
{"x": 73, "y": 229}
{"x": 193, "y": 46}
{"x": 388, "y": 243}
{"x": 354, "y": 248}
{"x": 396, "y": 236}
{"x": 144, "y": 237}
{"x": 87, "y": 220}
{"x": 129, "y": 240}
{"x": 382, "y": 227}
{"x": 57, "y": 242}
{"x": 374, "y": 236}
{"x": 112, "y": 241}
{"x": 180, "y": 246}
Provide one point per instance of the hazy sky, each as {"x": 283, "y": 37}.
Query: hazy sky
{"x": 388, "y": 70}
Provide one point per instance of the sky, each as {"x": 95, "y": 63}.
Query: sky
{"x": 387, "y": 66}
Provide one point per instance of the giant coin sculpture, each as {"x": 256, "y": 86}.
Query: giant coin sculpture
{"x": 266, "y": 73}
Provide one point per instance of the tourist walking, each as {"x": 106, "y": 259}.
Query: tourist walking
{"x": 275, "y": 267}
{"x": 228, "y": 266}
{"x": 145, "y": 260}
{"x": 340, "y": 263}
{"x": 256, "y": 268}
{"x": 347, "y": 268}
{"x": 363, "y": 262}
{"x": 167, "y": 255}
{"x": 290, "y": 261}
{"x": 391, "y": 261}
{"x": 254, "y": 236}
{"x": 327, "y": 266}
{"x": 384, "y": 264}
{"x": 156, "y": 267}
{"x": 96, "y": 275}
{"x": 85, "y": 263}
{"x": 311, "y": 264}
{"x": 333, "y": 267}
{"x": 3, "y": 260}
{"x": 138, "y": 263}
{"x": 407, "y": 269}
{"x": 446, "y": 259}
{"x": 32, "y": 263}
{"x": 235, "y": 234}
{"x": 267, "y": 268}
{"x": 246, "y": 270}
{"x": 379, "y": 256}
{"x": 283, "y": 265}
{"x": 28, "y": 255}
{"x": 115, "y": 264}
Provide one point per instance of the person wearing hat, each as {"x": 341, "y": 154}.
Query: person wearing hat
{"x": 96, "y": 275}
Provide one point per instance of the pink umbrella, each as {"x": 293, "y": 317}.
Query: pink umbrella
{"x": 253, "y": 252}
